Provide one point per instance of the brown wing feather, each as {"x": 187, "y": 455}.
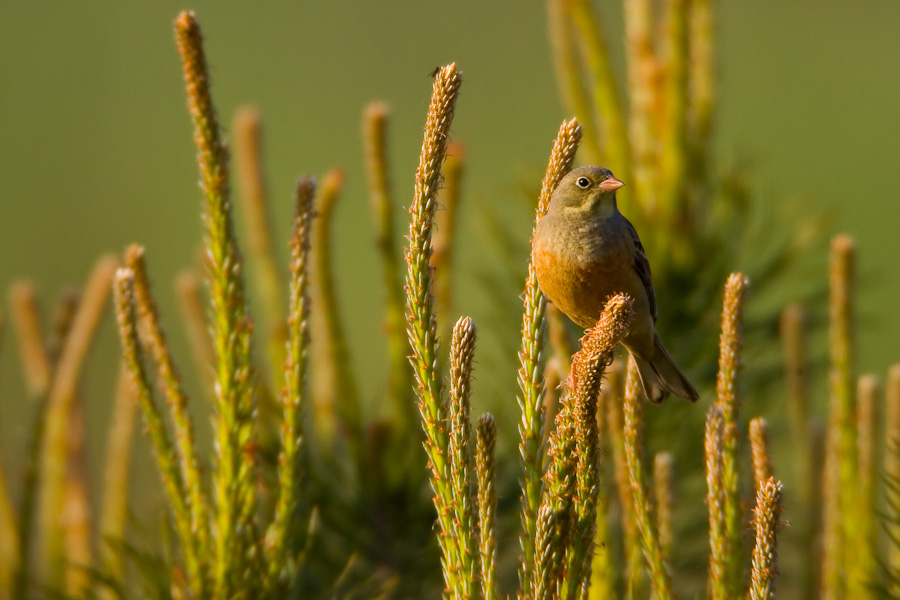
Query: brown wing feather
{"x": 642, "y": 266}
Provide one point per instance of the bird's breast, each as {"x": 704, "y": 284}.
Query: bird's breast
{"x": 579, "y": 265}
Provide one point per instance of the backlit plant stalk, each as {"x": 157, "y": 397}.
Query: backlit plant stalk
{"x": 192, "y": 310}
{"x": 715, "y": 500}
{"x": 231, "y": 325}
{"x": 793, "y": 329}
{"x": 673, "y": 136}
{"x": 35, "y": 361}
{"x": 294, "y": 396}
{"x": 583, "y": 391}
{"x": 77, "y": 517}
{"x": 892, "y": 466}
{"x": 643, "y": 95}
{"x": 864, "y": 540}
{"x": 9, "y": 540}
{"x": 445, "y": 221}
{"x": 759, "y": 446}
{"x": 60, "y": 400}
{"x": 37, "y": 369}
{"x": 839, "y": 480}
{"x": 421, "y": 325}
{"x": 486, "y": 439}
{"x": 173, "y": 482}
{"x": 336, "y": 394}
{"x": 613, "y": 401}
{"x": 177, "y": 398}
{"x": 462, "y": 350}
{"x": 569, "y": 74}
{"x": 247, "y": 126}
{"x": 730, "y": 348}
{"x": 765, "y": 553}
{"x": 114, "y": 513}
{"x": 612, "y": 129}
{"x": 663, "y": 480}
{"x": 634, "y": 455}
{"x": 375, "y": 121}
{"x": 531, "y": 361}
{"x": 603, "y": 567}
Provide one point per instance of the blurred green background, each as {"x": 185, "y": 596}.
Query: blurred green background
{"x": 97, "y": 150}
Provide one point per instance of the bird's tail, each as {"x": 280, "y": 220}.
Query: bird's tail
{"x": 660, "y": 377}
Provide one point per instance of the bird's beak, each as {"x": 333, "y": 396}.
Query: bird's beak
{"x": 611, "y": 184}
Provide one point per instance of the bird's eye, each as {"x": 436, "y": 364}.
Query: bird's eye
{"x": 583, "y": 182}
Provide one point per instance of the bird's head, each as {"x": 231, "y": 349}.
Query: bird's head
{"x": 587, "y": 191}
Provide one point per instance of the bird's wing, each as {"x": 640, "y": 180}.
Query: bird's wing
{"x": 642, "y": 266}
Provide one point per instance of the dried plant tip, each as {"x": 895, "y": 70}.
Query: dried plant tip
{"x": 765, "y": 553}
{"x": 759, "y": 445}
{"x": 25, "y": 312}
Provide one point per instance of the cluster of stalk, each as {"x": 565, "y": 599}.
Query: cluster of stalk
{"x": 564, "y": 533}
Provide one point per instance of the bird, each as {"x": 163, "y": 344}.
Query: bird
{"x": 584, "y": 251}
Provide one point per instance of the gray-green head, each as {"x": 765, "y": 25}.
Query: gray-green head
{"x": 588, "y": 190}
